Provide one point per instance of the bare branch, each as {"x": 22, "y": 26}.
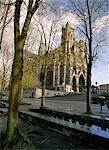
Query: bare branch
{"x": 36, "y": 5}
{"x": 4, "y": 23}
{"x": 7, "y": 4}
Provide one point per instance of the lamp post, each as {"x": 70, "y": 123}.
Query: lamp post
{"x": 96, "y": 87}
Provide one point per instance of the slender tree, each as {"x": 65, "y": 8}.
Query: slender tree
{"x": 4, "y": 19}
{"x": 88, "y": 12}
{"x": 17, "y": 67}
{"x": 47, "y": 60}
{"x": 5, "y": 71}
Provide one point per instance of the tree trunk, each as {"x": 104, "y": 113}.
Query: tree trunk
{"x": 3, "y": 84}
{"x": 17, "y": 72}
{"x": 17, "y": 68}
{"x": 2, "y": 89}
{"x": 43, "y": 86}
{"x": 43, "y": 94}
{"x": 44, "y": 74}
{"x": 89, "y": 65}
{"x": 89, "y": 111}
{"x": 21, "y": 95}
{"x": 89, "y": 74}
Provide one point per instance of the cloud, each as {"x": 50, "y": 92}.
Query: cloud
{"x": 71, "y": 18}
{"x": 102, "y": 22}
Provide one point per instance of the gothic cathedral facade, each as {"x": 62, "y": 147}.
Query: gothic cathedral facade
{"x": 69, "y": 68}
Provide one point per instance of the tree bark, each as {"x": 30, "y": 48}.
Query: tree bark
{"x": 44, "y": 74}
{"x": 43, "y": 90}
{"x": 17, "y": 72}
{"x": 89, "y": 74}
{"x": 3, "y": 83}
{"x": 89, "y": 65}
{"x": 89, "y": 111}
{"x": 2, "y": 89}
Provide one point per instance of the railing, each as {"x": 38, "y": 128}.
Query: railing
{"x": 101, "y": 122}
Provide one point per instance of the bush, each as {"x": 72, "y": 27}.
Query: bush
{"x": 106, "y": 95}
{"x": 98, "y": 100}
{"x": 107, "y": 103}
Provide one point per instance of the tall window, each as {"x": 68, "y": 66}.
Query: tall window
{"x": 74, "y": 84}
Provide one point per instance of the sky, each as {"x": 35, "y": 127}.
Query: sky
{"x": 100, "y": 70}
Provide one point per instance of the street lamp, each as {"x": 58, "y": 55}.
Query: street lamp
{"x": 96, "y": 87}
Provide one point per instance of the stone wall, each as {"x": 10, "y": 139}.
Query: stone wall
{"x": 49, "y": 93}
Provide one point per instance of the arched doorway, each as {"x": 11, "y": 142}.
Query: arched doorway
{"x": 49, "y": 77}
{"x": 61, "y": 74}
{"x": 74, "y": 85}
{"x": 81, "y": 84}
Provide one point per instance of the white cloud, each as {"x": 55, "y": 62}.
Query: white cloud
{"x": 101, "y": 22}
{"x": 71, "y": 18}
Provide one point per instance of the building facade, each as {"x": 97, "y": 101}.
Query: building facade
{"x": 69, "y": 68}
{"x": 104, "y": 88}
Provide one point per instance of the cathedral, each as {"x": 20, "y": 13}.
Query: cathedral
{"x": 69, "y": 68}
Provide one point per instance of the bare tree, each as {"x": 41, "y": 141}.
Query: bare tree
{"x": 4, "y": 18}
{"x": 6, "y": 61}
{"x": 17, "y": 67}
{"x": 48, "y": 35}
{"x": 88, "y": 12}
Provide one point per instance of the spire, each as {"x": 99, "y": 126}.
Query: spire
{"x": 41, "y": 47}
{"x": 67, "y": 25}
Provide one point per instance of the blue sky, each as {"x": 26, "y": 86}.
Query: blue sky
{"x": 100, "y": 73}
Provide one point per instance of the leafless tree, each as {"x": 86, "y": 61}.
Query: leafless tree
{"x": 17, "y": 67}
{"x": 6, "y": 62}
{"x": 48, "y": 35}
{"x": 88, "y": 12}
{"x": 4, "y": 18}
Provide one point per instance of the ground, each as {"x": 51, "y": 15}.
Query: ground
{"x": 46, "y": 139}
{"x": 68, "y": 104}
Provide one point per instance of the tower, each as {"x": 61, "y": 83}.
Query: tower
{"x": 41, "y": 47}
{"x": 67, "y": 39}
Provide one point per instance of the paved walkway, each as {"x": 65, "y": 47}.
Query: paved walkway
{"x": 70, "y": 106}
{"x": 66, "y": 106}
